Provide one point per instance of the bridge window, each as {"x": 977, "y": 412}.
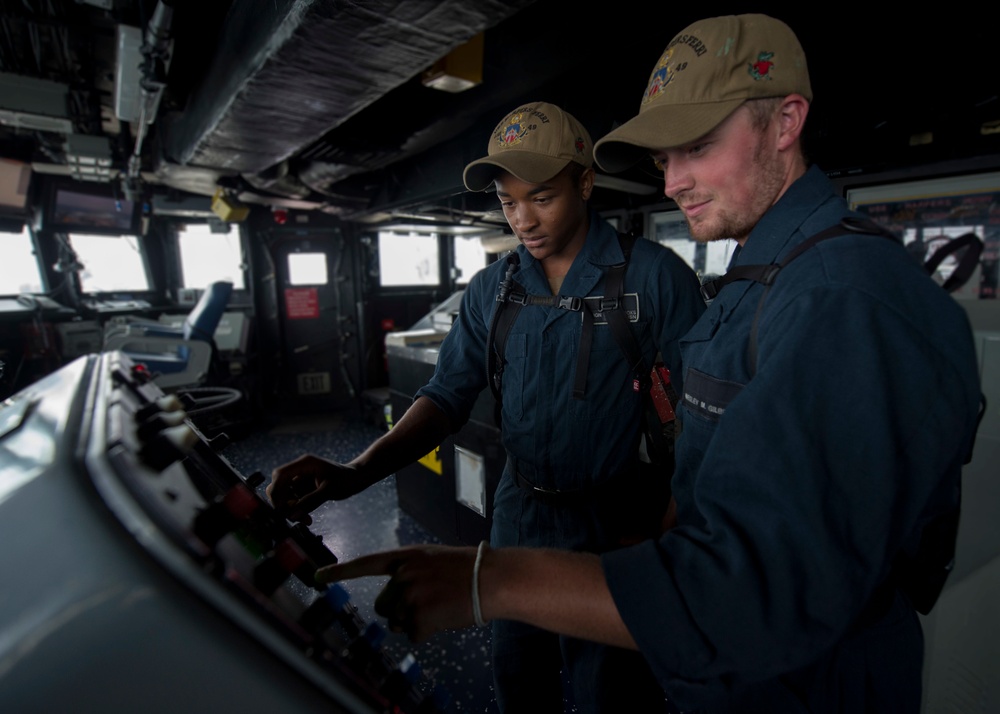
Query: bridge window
{"x": 307, "y": 269}
{"x": 470, "y": 258}
{"x": 408, "y": 259}
{"x": 110, "y": 263}
{"x": 208, "y": 257}
{"x": 19, "y": 271}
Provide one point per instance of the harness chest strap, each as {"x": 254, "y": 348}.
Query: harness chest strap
{"x": 511, "y": 297}
{"x": 766, "y": 274}
{"x": 921, "y": 577}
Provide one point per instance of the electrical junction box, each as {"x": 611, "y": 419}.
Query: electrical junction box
{"x": 229, "y": 209}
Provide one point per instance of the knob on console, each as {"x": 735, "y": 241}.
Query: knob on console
{"x": 225, "y": 514}
{"x": 167, "y": 446}
{"x": 147, "y": 429}
{"x": 166, "y": 404}
{"x": 332, "y": 606}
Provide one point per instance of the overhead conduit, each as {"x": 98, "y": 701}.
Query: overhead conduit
{"x": 288, "y": 71}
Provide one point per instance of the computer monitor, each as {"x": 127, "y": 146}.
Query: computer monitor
{"x": 79, "y": 208}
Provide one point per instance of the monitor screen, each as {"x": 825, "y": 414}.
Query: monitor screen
{"x": 81, "y": 210}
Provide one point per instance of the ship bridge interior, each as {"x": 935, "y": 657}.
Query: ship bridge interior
{"x": 292, "y": 170}
{"x": 368, "y": 111}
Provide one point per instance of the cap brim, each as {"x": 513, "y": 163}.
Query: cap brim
{"x": 657, "y": 128}
{"x": 527, "y": 166}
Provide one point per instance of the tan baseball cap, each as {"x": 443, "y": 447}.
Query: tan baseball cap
{"x": 534, "y": 143}
{"x": 707, "y": 71}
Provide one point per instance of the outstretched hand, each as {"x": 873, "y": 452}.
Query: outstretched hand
{"x": 430, "y": 588}
{"x": 300, "y": 486}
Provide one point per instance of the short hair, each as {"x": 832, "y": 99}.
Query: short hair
{"x": 762, "y": 111}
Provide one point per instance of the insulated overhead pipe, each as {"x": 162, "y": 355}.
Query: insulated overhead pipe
{"x": 157, "y": 46}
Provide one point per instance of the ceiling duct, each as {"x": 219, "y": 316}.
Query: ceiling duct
{"x": 288, "y": 71}
{"x": 156, "y": 49}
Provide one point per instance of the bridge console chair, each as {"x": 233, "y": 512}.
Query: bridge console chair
{"x": 180, "y": 356}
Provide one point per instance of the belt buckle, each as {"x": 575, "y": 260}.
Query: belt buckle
{"x": 550, "y": 495}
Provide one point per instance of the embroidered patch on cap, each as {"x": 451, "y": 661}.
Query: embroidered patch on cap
{"x": 513, "y": 131}
{"x": 663, "y": 74}
{"x": 761, "y": 69}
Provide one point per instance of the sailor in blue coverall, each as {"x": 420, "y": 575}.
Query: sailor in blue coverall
{"x": 825, "y": 421}
{"x": 825, "y": 418}
{"x": 572, "y": 478}
{"x": 556, "y": 442}
{"x": 805, "y": 478}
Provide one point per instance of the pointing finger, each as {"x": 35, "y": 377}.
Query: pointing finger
{"x": 375, "y": 564}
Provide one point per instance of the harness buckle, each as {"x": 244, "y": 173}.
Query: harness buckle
{"x": 570, "y": 303}
{"x": 608, "y": 303}
{"x": 518, "y": 297}
{"x": 770, "y": 273}
{"x": 709, "y": 290}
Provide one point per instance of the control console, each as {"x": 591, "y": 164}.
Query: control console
{"x": 131, "y": 540}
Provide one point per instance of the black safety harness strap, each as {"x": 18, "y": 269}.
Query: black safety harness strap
{"x": 612, "y": 306}
{"x": 766, "y": 274}
{"x": 923, "y": 577}
{"x": 583, "y": 358}
{"x": 641, "y": 373}
{"x": 511, "y": 297}
{"x": 500, "y": 324}
{"x": 966, "y": 264}
{"x": 615, "y": 313}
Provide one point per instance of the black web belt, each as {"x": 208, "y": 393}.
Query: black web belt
{"x": 558, "y": 496}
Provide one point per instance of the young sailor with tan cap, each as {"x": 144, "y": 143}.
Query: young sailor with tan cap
{"x": 571, "y": 404}
{"x": 830, "y": 400}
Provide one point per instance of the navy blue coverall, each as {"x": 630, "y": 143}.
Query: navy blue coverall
{"x": 797, "y": 484}
{"x": 560, "y": 442}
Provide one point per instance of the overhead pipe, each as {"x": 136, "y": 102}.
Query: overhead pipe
{"x": 156, "y": 50}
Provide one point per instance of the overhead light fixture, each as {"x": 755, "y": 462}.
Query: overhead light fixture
{"x": 432, "y": 226}
{"x": 128, "y": 92}
{"x": 460, "y": 69}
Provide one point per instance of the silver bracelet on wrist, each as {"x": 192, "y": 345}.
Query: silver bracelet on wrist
{"x": 477, "y": 613}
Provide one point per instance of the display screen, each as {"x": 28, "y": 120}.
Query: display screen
{"x": 79, "y": 209}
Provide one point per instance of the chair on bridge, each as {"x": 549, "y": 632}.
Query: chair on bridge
{"x": 177, "y": 357}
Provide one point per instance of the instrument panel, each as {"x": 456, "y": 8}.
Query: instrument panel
{"x": 148, "y": 573}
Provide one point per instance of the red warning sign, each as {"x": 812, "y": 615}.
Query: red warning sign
{"x": 301, "y": 303}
